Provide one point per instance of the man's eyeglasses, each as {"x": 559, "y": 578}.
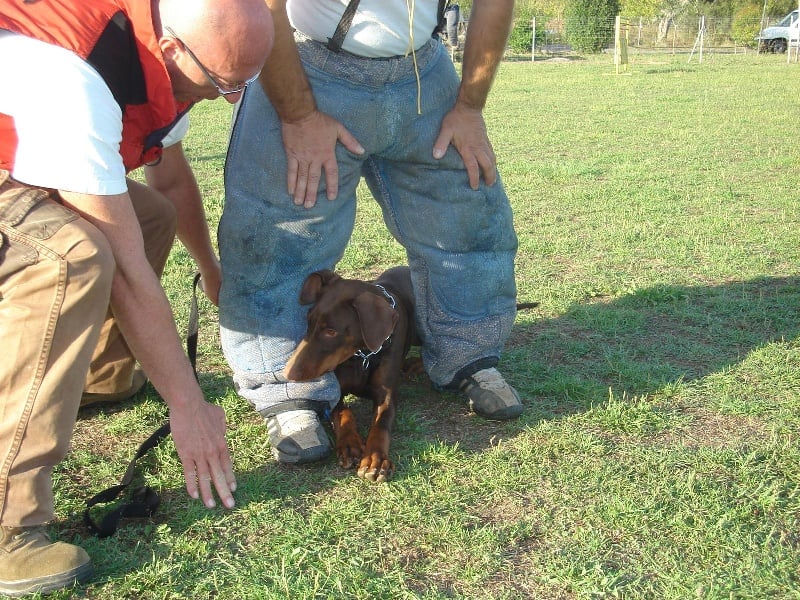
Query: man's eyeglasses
{"x": 222, "y": 91}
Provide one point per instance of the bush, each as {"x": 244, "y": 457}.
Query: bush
{"x": 589, "y": 24}
{"x": 746, "y": 25}
{"x": 521, "y": 36}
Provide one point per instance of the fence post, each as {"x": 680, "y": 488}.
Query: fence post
{"x": 700, "y": 38}
{"x": 620, "y": 43}
{"x": 533, "y": 41}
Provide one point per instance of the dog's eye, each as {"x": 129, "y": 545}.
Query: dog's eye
{"x": 330, "y": 332}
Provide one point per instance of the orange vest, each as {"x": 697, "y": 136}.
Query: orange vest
{"x": 117, "y": 38}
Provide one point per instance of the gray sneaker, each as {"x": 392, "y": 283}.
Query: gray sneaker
{"x": 490, "y": 396}
{"x": 297, "y": 436}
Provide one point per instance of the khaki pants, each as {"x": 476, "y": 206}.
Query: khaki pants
{"x": 57, "y": 334}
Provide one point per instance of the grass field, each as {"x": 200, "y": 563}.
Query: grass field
{"x": 659, "y": 453}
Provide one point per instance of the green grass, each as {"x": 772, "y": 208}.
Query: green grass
{"x": 659, "y": 454}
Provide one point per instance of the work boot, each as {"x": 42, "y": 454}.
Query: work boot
{"x": 30, "y": 562}
{"x": 139, "y": 379}
{"x": 490, "y": 396}
{"x": 297, "y": 436}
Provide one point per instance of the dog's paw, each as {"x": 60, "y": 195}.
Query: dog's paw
{"x": 376, "y": 467}
{"x": 349, "y": 451}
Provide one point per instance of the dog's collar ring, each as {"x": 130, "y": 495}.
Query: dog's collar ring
{"x": 365, "y": 356}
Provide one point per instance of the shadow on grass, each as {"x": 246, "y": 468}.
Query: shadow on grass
{"x": 634, "y": 345}
{"x": 646, "y": 341}
{"x": 101, "y": 431}
{"x": 650, "y": 338}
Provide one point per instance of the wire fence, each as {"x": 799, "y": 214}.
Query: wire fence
{"x": 674, "y": 35}
{"x": 681, "y": 34}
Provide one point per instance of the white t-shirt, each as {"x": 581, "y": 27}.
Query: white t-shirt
{"x": 380, "y": 28}
{"x": 68, "y": 124}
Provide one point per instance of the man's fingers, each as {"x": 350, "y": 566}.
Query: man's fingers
{"x": 312, "y": 186}
{"x": 200, "y": 480}
{"x": 204, "y": 482}
{"x": 224, "y": 488}
{"x": 488, "y": 167}
{"x": 190, "y": 477}
{"x": 473, "y": 171}
{"x": 205, "y": 456}
{"x": 349, "y": 141}
{"x": 300, "y": 187}
{"x": 223, "y": 477}
{"x": 441, "y": 143}
{"x": 292, "y": 167}
{"x": 310, "y": 146}
{"x": 307, "y": 186}
{"x": 332, "y": 179}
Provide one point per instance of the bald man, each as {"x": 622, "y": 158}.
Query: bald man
{"x": 94, "y": 90}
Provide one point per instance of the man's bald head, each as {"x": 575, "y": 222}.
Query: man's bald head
{"x": 232, "y": 38}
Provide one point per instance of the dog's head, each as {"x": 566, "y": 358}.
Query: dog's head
{"x": 346, "y": 316}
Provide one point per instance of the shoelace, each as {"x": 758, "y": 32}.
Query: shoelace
{"x": 30, "y": 534}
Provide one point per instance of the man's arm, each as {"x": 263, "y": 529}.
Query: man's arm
{"x": 464, "y": 127}
{"x": 174, "y": 178}
{"x": 145, "y": 319}
{"x": 283, "y": 79}
{"x": 487, "y": 36}
{"x": 309, "y": 136}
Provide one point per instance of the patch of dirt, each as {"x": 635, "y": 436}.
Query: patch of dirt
{"x": 713, "y": 430}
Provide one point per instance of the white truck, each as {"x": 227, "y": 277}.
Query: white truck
{"x": 776, "y": 38}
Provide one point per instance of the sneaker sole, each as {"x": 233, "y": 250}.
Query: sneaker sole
{"x": 506, "y": 414}
{"x": 308, "y": 455}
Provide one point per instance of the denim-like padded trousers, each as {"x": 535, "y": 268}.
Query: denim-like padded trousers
{"x": 460, "y": 242}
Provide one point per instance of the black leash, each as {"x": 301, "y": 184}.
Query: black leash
{"x": 143, "y": 501}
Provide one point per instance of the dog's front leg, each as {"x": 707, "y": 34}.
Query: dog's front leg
{"x": 349, "y": 445}
{"x": 376, "y": 465}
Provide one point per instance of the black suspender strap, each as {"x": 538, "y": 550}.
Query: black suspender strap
{"x": 143, "y": 501}
{"x": 335, "y": 41}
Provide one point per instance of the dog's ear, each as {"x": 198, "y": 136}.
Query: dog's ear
{"x": 312, "y": 286}
{"x": 376, "y": 319}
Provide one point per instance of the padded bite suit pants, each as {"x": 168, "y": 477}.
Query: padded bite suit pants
{"x": 460, "y": 242}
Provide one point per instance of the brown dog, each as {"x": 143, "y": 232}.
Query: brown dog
{"x": 362, "y": 331}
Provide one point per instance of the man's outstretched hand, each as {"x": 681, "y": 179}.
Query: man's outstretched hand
{"x": 199, "y": 435}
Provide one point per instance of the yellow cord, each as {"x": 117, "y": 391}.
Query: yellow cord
{"x": 410, "y": 5}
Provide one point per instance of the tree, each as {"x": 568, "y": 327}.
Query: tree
{"x": 746, "y": 25}
{"x": 589, "y": 24}
{"x": 640, "y": 8}
{"x": 521, "y": 38}
{"x": 670, "y": 9}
